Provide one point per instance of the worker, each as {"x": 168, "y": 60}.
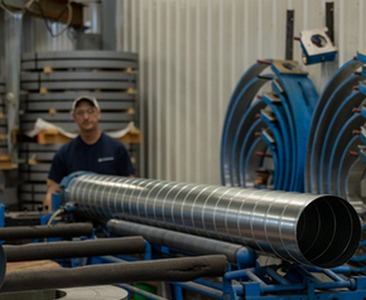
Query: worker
{"x": 92, "y": 150}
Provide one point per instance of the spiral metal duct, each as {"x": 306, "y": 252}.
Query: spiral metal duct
{"x": 265, "y": 130}
{"x": 336, "y": 140}
{"x": 319, "y": 230}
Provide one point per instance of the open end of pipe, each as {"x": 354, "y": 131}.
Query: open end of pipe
{"x": 328, "y": 232}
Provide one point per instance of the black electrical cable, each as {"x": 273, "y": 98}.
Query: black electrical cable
{"x": 47, "y": 20}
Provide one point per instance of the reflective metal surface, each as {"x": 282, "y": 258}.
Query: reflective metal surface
{"x": 265, "y": 130}
{"x": 320, "y": 230}
{"x": 334, "y": 153}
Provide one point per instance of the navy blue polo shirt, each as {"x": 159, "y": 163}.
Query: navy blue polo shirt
{"x": 107, "y": 156}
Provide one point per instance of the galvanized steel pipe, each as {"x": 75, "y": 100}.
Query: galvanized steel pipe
{"x": 321, "y": 230}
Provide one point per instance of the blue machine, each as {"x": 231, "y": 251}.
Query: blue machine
{"x": 135, "y": 206}
{"x": 316, "y": 46}
{"x": 266, "y": 127}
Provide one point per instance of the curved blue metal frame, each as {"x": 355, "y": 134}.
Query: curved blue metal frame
{"x": 315, "y": 142}
{"x": 291, "y": 105}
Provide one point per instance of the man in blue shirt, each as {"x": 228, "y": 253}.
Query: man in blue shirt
{"x": 92, "y": 150}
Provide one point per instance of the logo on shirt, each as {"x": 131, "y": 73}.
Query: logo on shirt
{"x": 104, "y": 159}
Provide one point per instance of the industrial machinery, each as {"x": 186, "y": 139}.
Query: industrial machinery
{"x": 279, "y": 134}
{"x": 334, "y": 161}
{"x": 266, "y": 127}
{"x": 316, "y": 46}
{"x": 218, "y": 233}
{"x": 223, "y": 242}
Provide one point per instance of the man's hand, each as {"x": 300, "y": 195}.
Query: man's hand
{"x": 52, "y": 188}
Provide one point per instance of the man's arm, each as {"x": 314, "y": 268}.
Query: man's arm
{"x": 52, "y": 188}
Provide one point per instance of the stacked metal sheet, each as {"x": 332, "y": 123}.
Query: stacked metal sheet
{"x": 50, "y": 81}
{"x": 33, "y": 172}
{"x": 337, "y": 136}
{"x": 266, "y": 130}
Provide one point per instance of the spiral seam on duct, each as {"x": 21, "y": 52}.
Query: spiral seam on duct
{"x": 319, "y": 230}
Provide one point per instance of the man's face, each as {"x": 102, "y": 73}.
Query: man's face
{"x": 86, "y": 116}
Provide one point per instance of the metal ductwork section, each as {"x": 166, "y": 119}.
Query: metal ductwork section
{"x": 320, "y": 230}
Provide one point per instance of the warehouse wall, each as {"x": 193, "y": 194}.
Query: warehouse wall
{"x": 192, "y": 53}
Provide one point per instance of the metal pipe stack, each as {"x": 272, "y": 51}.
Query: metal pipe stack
{"x": 320, "y": 230}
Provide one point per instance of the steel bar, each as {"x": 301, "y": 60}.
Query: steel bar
{"x": 329, "y": 19}
{"x": 34, "y": 232}
{"x": 74, "y": 249}
{"x": 320, "y": 230}
{"x": 182, "y": 241}
{"x": 171, "y": 269}
{"x": 290, "y": 19}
